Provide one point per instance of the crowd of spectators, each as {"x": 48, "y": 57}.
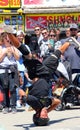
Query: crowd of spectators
{"x": 43, "y": 43}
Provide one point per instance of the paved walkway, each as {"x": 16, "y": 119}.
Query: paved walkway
{"x": 59, "y": 120}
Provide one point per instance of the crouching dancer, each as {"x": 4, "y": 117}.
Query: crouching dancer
{"x": 40, "y": 73}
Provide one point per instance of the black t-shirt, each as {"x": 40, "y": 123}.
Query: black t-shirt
{"x": 38, "y": 69}
{"x": 40, "y": 88}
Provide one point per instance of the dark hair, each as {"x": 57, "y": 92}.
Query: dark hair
{"x": 40, "y": 121}
{"x": 62, "y": 35}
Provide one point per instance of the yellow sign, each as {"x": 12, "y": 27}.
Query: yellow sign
{"x": 6, "y": 11}
{"x": 4, "y": 3}
{"x": 14, "y": 3}
{"x": 1, "y": 19}
{"x": 10, "y": 3}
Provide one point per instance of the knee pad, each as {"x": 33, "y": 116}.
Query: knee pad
{"x": 40, "y": 121}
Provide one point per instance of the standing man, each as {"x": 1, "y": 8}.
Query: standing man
{"x": 45, "y": 46}
{"x": 71, "y": 54}
{"x": 38, "y": 33}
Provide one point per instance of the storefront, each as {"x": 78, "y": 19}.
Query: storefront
{"x": 10, "y": 14}
{"x": 46, "y": 13}
{"x": 51, "y": 20}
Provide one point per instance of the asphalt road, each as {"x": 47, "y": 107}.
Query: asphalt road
{"x": 59, "y": 120}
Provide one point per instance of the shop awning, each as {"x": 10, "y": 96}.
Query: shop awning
{"x": 45, "y": 10}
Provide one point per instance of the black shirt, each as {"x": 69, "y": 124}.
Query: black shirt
{"x": 40, "y": 88}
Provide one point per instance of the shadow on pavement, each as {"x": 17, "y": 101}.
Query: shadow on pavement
{"x": 57, "y": 121}
{"x": 27, "y": 126}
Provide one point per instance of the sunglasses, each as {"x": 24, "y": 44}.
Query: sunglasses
{"x": 52, "y": 35}
{"x": 73, "y": 29}
{"x": 36, "y": 29}
{"x": 44, "y": 33}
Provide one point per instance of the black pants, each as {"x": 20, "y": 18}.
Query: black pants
{"x": 9, "y": 90}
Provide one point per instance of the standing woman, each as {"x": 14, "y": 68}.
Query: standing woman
{"x": 8, "y": 73}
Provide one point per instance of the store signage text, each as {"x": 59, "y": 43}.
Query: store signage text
{"x": 52, "y": 20}
{"x": 9, "y": 3}
{"x": 14, "y": 3}
{"x": 4, "y": 3}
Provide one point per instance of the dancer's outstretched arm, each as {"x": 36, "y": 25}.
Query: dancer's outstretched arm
{"x": 20, "y": 46}
{"x": 24, "y": 50}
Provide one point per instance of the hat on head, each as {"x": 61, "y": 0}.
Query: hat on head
{"x": 73, "y": 25}
{"x": 19, "y": 32}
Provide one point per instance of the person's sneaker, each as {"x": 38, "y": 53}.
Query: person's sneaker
{"x": 1, "y": 107}
{"x": 14, "y": 110}
{"x": 5, "y": 110}
{"x": 30, "y": 108}
{"x": 18, "y": 104}
{"x": 68, "y": 105}
{"x": 74, "y": 42}
{"x": 9, "y": 109}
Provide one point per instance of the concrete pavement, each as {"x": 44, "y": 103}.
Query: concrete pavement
{"x": 59, "y": 120}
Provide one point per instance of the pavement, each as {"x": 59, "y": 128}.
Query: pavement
{"x": 59, "y": 120}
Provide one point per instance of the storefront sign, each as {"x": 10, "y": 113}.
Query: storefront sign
{"x": 52, "y": 20}
{"x": 4, "y": 3}
{"x": 1, "y": 19}
{"x": 17, "y": 21}
{"x": 32, "y": 21}
{"x": 14, "y": 3}
{"x": 10, "y": 3}
{"x": 52, "y": 3}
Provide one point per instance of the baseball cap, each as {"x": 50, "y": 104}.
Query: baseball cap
{"x": 19, "y": 32}
{"x": 73, "y": 25}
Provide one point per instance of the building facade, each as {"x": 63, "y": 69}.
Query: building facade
{"x": 26, "y": 14}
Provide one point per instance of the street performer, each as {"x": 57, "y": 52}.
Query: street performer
{"x": 40, "y": 74}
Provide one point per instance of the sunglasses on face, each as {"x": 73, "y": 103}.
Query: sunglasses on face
{"x": 44, "y": 33}
{"x": 52, "y": 35}
{"x": 36, "y": 29}
{"x": 73, "y": 29}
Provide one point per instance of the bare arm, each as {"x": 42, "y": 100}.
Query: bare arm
{"x": 18, "y": 45}
{"x": 64, "y": 47}
{"x": 3, "y": 53}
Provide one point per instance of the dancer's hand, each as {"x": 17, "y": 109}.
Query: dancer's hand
{"x": 9, "y": 29}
